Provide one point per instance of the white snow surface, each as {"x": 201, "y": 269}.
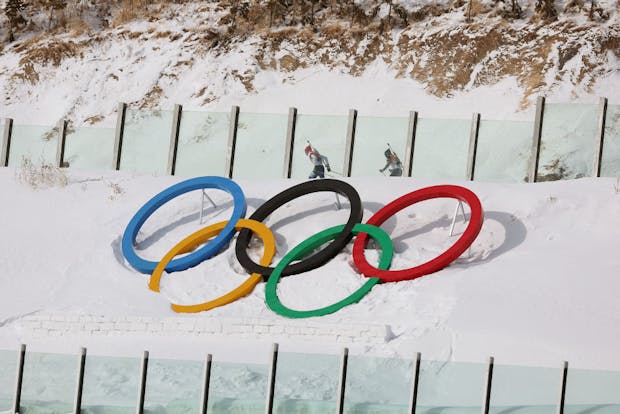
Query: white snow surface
{"x": 539, "y": 285}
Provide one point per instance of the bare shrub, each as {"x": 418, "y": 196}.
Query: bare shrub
{"x": 77, "y": 26}
{"x": 40, "y": 176}
{"x": 116, "y": 191}
{"x": 52, "y": 52}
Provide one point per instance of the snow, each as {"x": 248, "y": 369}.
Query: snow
{"x": 538, "y": 287}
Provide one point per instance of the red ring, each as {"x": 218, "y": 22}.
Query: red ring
{"x": 439, "y": 262}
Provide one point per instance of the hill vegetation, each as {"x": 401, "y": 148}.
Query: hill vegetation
{"x": 446, "y": 45}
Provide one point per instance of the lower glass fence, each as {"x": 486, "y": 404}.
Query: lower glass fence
{"x": 237, "y": 388}
{"x": 110, "y": 385}
{"x": 306, "y": 383}
{"x": 377, "y": 385}
{"x": 173, "y": 387}
{"x": 451, "y": 387}
{"x": 592, "y": 392}
{"x": 610, "y": 158}
{"x": 527, "y": 390}
{"x": 8, "y": 369}
{"x": 49, "y": 383}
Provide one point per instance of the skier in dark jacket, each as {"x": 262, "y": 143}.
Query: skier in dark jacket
{"x": 393, "y": 163}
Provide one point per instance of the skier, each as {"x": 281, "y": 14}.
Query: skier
{"x": 319, "y": 161}
{"x": 393, "y": 163}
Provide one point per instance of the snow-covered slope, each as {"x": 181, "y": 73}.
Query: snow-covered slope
{"x": 201, "y": 56}
{"x": 539, "y": 285}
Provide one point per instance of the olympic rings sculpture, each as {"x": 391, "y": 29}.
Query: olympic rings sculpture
{"x": 214, "y": 237}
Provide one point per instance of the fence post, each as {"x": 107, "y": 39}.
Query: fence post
{"x": 174, "y": 138}
{"x": 487, "y": 389}
{"x": 350, "y": 142}
{"x": 271, "y": 381}
{"x": 142, "y": 387}
{"x": 343, "y": 379}
{"x": 206, "y": 380}
{"x": 290, "y": 141}
{"x": 563, "y": 388}
{"x": 413, "y": 398}
{"x": 473, "y": 146}
{"x": 118, "y": 135}
{"x": 77, "y": 405}
{"x": 6, "y": 142}
{"x": 535, "y": 152}
{"x": 60, "y": 149}
{"x": 232, "y": 140}
{"x": 411, "y": 130}
{"x": 600, "y": 138}
{"x": 19, "y": 375}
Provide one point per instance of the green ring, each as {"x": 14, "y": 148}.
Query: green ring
{"x": 307, "y": 246}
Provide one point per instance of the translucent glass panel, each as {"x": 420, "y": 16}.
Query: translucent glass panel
{"x": 259, "y": 151}
{"x": 380, "y": 385}
{"x": 237, "y": 388}
{"x": 503, "y": 151}
{"x": 49, "y": 383}
{"x": 327, "y": 134}
{"x": 440, "y": 149}
{"x": 567, "y": 141}
{"x": 610, "y": 161}
{"x": 451, "y": 387}
{"x": 526, "y": 390}
{"x": 592, "y": 392}
{"x": 110, "y": 385}
{"x": 372, "y": 136}
{"x": 89, "y": 147}
{"x": 173, "y": 387}
{"x": 36, "y": 143}
{"x": 306, "y": 383}
{"x": 8, "y": 367}
{"x": 146, "y": 141}
{"x": 203, "y": 141}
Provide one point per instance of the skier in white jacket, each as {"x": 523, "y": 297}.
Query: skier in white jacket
{"x": 319, "y": 161}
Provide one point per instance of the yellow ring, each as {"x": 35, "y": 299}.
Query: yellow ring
{"x": 194, "y": 240}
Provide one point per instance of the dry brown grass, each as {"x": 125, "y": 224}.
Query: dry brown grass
{"x": 130, "y": 10}
{"x": 427, "y": 11}
{"x": 95, "y": 119}
{"x": 37, "y": 52}
{"x": 127, "y": 12}
{"x": 151, "y": 99}
{"x": 134, "y": 35}
{"x": 450, "y": 56}
{"x": 27, "y": 74}
{"x": 246, "y": 78}
{"x": 77, "y": 26}
{"x": 52, "y": 52}
{"x": 161, "y": 35}
{"x": 27, "y": 44}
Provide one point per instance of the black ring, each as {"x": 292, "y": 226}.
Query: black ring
{"x": 321, "y": 257}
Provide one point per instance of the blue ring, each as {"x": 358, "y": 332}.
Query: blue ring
{"x": 205, "y": 252}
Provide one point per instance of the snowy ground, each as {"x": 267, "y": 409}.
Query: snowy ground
{"x": 539, "y": 286}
